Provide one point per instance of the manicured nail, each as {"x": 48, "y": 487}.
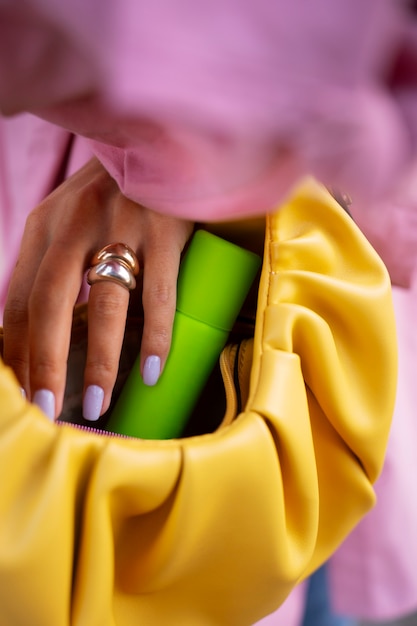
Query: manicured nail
{"x": 23, "y": 392}
{"x": 151, "y": 370}
{"x": 45, "y": 400}
{"x": 93, "y": 402}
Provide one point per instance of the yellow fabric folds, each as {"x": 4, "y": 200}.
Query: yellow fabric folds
{"x": 215, "y": 530}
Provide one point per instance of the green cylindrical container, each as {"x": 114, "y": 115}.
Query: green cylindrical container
{"x": 214, "y": 279}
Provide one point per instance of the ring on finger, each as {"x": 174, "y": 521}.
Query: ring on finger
{"x": 120, "y": 251}
{"x": 116, "y": 263}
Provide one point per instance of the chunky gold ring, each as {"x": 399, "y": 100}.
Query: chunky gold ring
{"x": 116, "y": 263}
{"x": 120, "y": 251}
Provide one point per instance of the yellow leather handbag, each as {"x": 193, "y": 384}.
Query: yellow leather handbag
{"x": 214, "y": 529}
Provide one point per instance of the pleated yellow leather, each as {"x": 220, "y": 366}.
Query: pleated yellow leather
{"x": 215, "y": 530}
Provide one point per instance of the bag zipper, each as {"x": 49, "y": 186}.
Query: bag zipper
{"x": 91, "y": 429}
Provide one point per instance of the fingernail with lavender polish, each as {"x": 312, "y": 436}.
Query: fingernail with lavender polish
{"x": 151, "y": 370}
{"x": 45, "y": 400}
{"x": 93, "y": 402}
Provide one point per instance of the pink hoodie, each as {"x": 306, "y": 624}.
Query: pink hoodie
{"x": 214, "y": 109}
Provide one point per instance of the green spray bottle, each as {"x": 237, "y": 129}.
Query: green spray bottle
{"x": 214, "y": 279}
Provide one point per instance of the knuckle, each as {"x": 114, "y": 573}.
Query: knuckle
{"x": 18, "y": 363}
{"x": 103, "y": 369}
{"x": 161, "y": 294}
{"x": 158, "y": 339}
{"x": 108, "y": 303}
{"x": 45, "y": 369}
{"x": 16, "y": 313}
{"x": 36, "y": 218}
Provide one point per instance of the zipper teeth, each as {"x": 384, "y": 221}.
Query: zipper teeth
{"x": 91, "y": 429}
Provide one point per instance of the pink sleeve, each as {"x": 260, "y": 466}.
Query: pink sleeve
{"x": 391, "y": 227}
{"x": 214, "y": 109}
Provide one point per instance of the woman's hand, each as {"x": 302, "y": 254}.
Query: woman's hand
{"x": 62, "y": 234}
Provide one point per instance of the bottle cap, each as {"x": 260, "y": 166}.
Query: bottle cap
{"x": 214, "y": 280}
